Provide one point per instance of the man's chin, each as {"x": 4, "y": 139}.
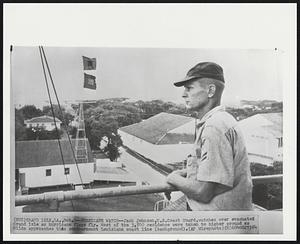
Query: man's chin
{"x": 190, "y": 108}
{"x": 187, "y": 107}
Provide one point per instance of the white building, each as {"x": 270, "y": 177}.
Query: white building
{"x": 248, "y": 106}
{"x": 164, "y": 138}
{"x": 45, "y": 122}
{"x": 39, "y": 164}
{"x": 113, "y": 172}
{"x": 263, "y": 137}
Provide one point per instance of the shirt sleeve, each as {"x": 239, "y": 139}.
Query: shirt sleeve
{"x": 215, "y": 163}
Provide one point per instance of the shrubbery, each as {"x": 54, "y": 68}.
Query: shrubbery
{"x": 268, "y": 196}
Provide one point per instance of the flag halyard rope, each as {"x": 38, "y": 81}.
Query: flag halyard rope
{"x": 64, "y": 122}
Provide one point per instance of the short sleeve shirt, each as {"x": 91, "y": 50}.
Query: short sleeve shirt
{"x": 219, "y": 155}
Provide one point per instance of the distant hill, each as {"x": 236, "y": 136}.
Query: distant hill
{"x": 259, "y": 103}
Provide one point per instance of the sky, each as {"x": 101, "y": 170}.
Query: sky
{"x": 142, "y": 73}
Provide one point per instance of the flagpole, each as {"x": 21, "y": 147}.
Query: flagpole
{"x": 81, "y": 134}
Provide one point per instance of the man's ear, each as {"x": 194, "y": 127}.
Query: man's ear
{"x": 211, "y": 90}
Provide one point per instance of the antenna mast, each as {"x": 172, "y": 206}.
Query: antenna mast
{"x": 81, "y": 140}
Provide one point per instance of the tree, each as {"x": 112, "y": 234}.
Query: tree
{"x": 30, "y": 111}
{"x": 20, "y": 129}
{"x": 112, "y": 151}
{"x": 177, "y": 109}
{"x": 65, "y": 117}
{"x": 277, "y": 165}
{"x": 37, "y": 133}
{"x": 95, "y": 130}
{"x": 106, "y": 116}
{"x": 261, "y": 169}
{"x": 72, "y": 131}
{"x": 267, "y": 195}
{"x": 104, "y": 119}
{"x": 150, "y": 108}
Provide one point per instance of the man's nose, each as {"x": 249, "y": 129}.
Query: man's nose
{"x": 184, "y": 94}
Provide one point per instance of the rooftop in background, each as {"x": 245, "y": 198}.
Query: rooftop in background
{"x": 99, "y": 154}
{"x": 42, "y": 119}
{"x": 155, "y": 129}
{"x": 276, "y": 119}
{"x": 114, "y": 174}
{"x": 45, "y": 152}
{"x": 269, "y": 122}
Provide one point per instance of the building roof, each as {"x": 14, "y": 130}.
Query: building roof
{"x": 155, "y": 128}
{"x": 268, "y": 122}
{"x": 176, "y": 138}
{"x": 45, "y": 153}
{"x": 99, "y": 155}
{"x": 275, "y": 127}
{"x": 114, "y": 174}
{"x": 42, "y": 119}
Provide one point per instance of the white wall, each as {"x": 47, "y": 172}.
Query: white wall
{"x": 171, "y": 153}
{"x": 279, "y": 155}
{"x": 47, "y": 126}
{"x": 162, "y": 154}
{"x": 259, "y": 141}
{"x": 261, "y": 160}
{"x": 36, "y": 176}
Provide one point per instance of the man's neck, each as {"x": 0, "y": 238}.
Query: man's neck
{"x": 206, "y": 109}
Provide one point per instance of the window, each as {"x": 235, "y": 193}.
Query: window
{"x": 67, "y": 171}
{"x": 90, "y": 64}
{"x": 48, "y": 172}
{"x": 280, "y": 143}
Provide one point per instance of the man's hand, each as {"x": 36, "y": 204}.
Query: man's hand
{"x": 181, "y": 172}
{"x": 170, "y": 178}
{"x": 201, "y": 191}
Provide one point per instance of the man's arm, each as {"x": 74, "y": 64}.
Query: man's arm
{"x": 198, "y": 190}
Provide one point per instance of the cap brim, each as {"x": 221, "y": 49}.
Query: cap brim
{"x": 182, "y": 82}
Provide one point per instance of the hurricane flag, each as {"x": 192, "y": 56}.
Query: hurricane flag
{"x": 89, "y": 81}
{"x": 89, "y": 63}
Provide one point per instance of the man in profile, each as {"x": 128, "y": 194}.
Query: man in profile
{"x": 217, "y": 175}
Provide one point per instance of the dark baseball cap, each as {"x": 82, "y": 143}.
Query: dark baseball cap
{"x": 203, "y": 70}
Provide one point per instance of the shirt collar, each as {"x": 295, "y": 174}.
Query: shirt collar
{"x": 209, "y": 114}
